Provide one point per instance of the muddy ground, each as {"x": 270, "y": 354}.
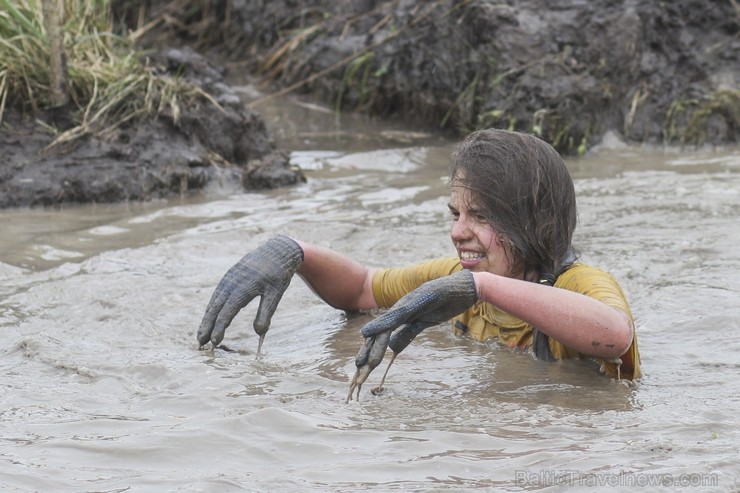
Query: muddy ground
{"x": 150, "y": 159}
{"x": 568, "y": 70}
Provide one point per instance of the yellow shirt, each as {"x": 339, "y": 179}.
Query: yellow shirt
{"x": 484, "y": 321}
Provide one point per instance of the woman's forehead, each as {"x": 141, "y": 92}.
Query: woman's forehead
{"x": 463, "y": 196}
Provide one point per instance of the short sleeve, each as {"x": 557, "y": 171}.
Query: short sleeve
{"x": 390, "y": 285}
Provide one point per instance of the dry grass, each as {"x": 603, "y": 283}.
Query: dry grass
{"x": 108, "y": 83}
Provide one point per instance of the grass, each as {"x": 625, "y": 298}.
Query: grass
{"x": 356, "y": 76}
{"x": 687, "y": 118}
{"x": 107, "y": 82}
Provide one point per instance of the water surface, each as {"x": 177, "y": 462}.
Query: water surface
{"x": 105, "y": 388}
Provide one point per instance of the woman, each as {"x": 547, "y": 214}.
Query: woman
{"x": 515, "y": 277}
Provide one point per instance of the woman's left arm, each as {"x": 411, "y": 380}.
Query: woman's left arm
{"x": 580, "y": 322}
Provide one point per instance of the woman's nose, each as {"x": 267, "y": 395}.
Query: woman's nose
{"x": 460, "y": 229}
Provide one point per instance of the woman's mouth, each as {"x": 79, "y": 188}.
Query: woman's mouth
{"x": 468, "y": 259}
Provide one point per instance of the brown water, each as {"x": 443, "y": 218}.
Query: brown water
{"x": 105, "y": 389}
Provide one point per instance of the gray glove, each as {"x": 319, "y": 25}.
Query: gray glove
{"x": 431, "y": 303}
{"x": 267, "y": 272}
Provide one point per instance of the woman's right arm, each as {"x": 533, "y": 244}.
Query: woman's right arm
{"x": 337, "y": 279}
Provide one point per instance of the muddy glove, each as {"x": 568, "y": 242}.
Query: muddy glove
{"x": 431, "y": 303}
{"x": 267, "y": 272}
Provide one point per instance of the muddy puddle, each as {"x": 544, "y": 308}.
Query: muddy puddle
{"x": 105, "y": 389}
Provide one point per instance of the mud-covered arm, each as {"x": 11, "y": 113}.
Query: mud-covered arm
{"x": 580, "y": 322}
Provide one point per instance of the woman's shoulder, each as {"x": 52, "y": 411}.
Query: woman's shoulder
{"x": 594, "y": 282}
{"x": 431, "y": 269}
{"x": 390, "y": 284}
{"x": 581, "y": 270}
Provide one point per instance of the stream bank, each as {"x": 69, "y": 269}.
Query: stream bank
{"x": 569, "y": 71}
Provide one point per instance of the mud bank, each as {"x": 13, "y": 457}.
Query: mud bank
{"x": 222, "y": 142}
{"x": 567, "y": 70}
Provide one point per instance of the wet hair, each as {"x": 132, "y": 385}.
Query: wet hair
{"x": 522, "y": 186}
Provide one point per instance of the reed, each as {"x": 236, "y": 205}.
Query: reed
{"x": 108, "y": 83}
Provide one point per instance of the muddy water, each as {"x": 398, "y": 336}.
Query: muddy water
{"x": 105, "y": 389}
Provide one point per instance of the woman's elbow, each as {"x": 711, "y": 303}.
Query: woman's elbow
{"x": 624, "y": 332}
{"x": 612, "y": 338}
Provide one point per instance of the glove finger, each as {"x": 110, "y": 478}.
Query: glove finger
{"x": 218, "y": 298}
{"x": 267, "y": 307}
{"x": 402, "y": 338}
{"x": 390, "y": 320}
{"x": 372, "y": 352}
{"x": 364, "y": 353}
{"x": 229, "y": 310}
